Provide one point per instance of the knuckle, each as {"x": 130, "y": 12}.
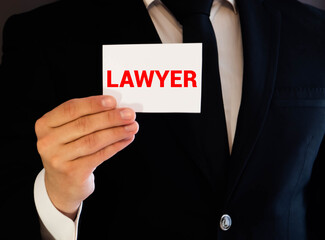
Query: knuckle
{"x": 61, "y": 167}
{"x": 70, "y": 108}
{"x": 56, "y": 164}
{"x": 90, "y": 141}
{"x": 93, "y": 105}
{"x": 82, "y": 124}
{"x": 42, "y": 145}
{"x": 109, "y": 116}
{"x": 39, "y": 126}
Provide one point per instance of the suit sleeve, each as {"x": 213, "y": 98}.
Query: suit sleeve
{"x": 20, "y": 162}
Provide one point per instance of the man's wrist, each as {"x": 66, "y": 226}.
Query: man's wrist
{"x": 70, "y": 211}
{"x": 56, "y": 223}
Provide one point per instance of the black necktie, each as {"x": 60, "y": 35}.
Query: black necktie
{"x": 209, "y": 126}
{"x": 197, "y": 27}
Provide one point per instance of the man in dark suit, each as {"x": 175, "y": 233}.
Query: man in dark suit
{"x": 175, "y": 180}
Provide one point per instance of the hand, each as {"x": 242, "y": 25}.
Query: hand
{"x": 75, "y": 138}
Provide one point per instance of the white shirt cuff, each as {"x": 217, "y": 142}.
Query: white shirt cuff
{"x": 57, "y": 224}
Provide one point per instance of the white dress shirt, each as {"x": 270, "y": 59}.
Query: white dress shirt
{"x": 226, "y": 24}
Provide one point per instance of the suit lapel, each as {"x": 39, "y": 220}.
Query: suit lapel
{"x": 261, "y": 33}
{"x": 261, "y": 36}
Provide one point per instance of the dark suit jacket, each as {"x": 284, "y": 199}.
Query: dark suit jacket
{"x": 171, "y": 182}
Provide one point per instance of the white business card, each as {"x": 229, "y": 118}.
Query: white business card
{"x": 162, "y": 78}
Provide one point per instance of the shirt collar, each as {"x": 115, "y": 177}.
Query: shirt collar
{"x": 232, "y": 2}
{"x": 148, "y": 2}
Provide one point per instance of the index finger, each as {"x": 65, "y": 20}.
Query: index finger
{"x": 78, "y": 107}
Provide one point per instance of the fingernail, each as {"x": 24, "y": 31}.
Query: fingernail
{"x": 108, "y": 102}
{"x": 127, "y": 114}
{"x": 131, "y": 128}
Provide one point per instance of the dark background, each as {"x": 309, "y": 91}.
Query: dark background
{"x": 10, "y": 7}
